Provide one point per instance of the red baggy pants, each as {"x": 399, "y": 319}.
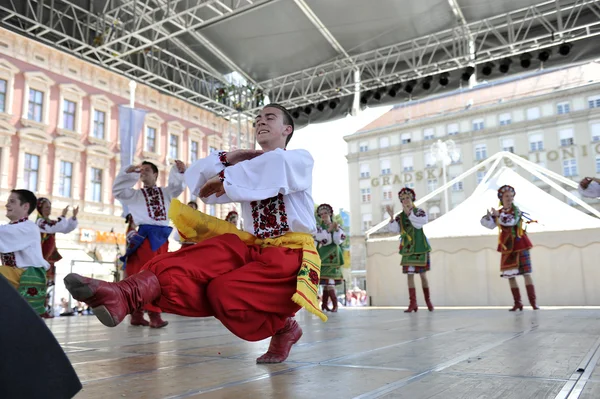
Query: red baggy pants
{"x": 248, "y": 288}
{"x": 139, "y": 258}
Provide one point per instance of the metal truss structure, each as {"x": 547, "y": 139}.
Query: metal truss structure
{"x": 531, "y": 28}
{"x": 138, "y": 38}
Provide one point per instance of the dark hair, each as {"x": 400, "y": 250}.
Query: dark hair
{"x": 26, "y": 196}
{"x": 128, "y": 218}
{"x": 154, "y": 168}
{"x": 287, "y": 118}
{"x": 193, "y": 203}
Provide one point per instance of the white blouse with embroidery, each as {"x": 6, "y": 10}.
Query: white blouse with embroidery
{"x": 324, "y": 237}
{"x": 506, "y": 218}
{"x": 20, "y": 245}
{"x": 418, "y": 218}
{"x": 62, "y": 225}
{"x": 592, "y": 191}
{"x": 274, "y": 189}
{"x": 148, "y": 205}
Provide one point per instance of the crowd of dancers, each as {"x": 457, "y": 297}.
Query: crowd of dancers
{"x": 252, "y": 278}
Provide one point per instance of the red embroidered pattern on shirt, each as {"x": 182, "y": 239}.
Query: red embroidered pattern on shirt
{"x": 8, "y": 259}
{"x": 270, "y": 218}
{"x": 47, "y": 222}
{"x": 419, "y": 213}
{"x": 155, "y": 203}
{"x": 506, "y": 217}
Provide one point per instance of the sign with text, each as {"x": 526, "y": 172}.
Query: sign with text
{"x": 101, "y": 237}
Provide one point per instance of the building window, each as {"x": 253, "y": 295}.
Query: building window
{"x": 99, "y": 126}
{"x": 3, "y": 92}
{"x": 211, "y": 210}
{"x": 480, "y": 176}
{"x": 533, "y": 113}
{"x": 428, "y": 134}
{"x": 96, "y": 182}
{"x": 364, "y": 147}
{"x": 429, "y": 160}
{"x": 478, "y": 124}
{"x": 569, "y": 167}
{"x": 405, "y": 138}
{"x": 508, "y": 145}
{"x": 364, "y": 171}
{"x": 32, "y": 170}
{"x": 410, "y": 185}
{"x": 366, "y": 221}
{"x": 452, "y": 129}
{"x": 434, "y": 212}
{"x": 432, "y": 184}
{"x": 543, "y": 165}
{"x": 566, "y": 137}
{"x": 173, "y": 146}
{"x": 407, "y": 163}
{"x": 594, "y": 102}
{"x": 458, "y": 186}
{"x": 597, "y": 163}
{"x": 457, "y": 157}
{"x": 385, "y": 167}
{"x": 505, "y": 119}
{"x": 563, "y": 108}
{"x": 387, "y": 193}
{"x": 151, "y": 139}
{"x": 384, "y": 142}
{"x": 480, "y": 152}
{"x": 36, "y": 105}
{"x": 65, "y": 179}
{"x": 194, "y": 151}
{"x": 595, "y": 132}
{"x": 69, "y": 115}
{"x": 536, "y": 142}
{"x": 212, "y": 149}
{"x": 365, "y": 195}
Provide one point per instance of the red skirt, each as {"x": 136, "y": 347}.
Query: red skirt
{"x": 246, "y": 287}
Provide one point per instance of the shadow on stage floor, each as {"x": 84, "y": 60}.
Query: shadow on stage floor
{"x": 360, "y": 353}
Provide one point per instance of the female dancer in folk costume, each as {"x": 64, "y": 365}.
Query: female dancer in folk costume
{"x": 48, "y": 229}
{"x": 414, "y": 246}
{"x": 328, "y": 238}
{"x": 589, "y": 187}
{"x": 232, "y": 217}
{"x": 513, "y": 244}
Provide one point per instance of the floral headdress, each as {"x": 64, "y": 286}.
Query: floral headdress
{"x": 408, "y": 191}
{"x": 504, "y": 189}
{"x": 326, "y": 207}
{"x": 40, "y": 203}
{"x": 230, "y": 215}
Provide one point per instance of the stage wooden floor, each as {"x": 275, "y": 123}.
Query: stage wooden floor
{"x": 359, "y": 353}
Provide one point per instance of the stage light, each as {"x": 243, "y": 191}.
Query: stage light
{"x": 525, "y": 60}
{"x": 469, "y": 71}
{"x": 364, "y": 99}
{"x": 321, "y": 106}
{"x": 393, "y": 91}
{"x": 565, "y": 49}
{"x": 505, "y": 65}
{"x": 308, "y": 109}
{"x": 295, "y": 114}
{"x": 426, "y": 83}
{"x": 378, "y": 94}
{"x": 334, "y": 103}
{"x": 444, "y": 78}
{"x": 409, "y": 86}
{"x": 487, "y": 68}
{"x": 544, "y": 55}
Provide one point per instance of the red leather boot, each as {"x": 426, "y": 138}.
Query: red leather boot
{"x": 427, "y": 299}
{"x": 156, "y": 321}
{"x": 412, "y": 306}
{"x": 111, "y": 302}
{"x": 281, "y": 343}
{"x": 517, "y": 296}
{"x": 137, "y": 318}
{"x": 333, "y": 296}
{"x": 325, "y": 300}
{"x": 531, "y": 295}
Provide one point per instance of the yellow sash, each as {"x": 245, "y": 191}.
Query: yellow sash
{"x": 196, "y": 226}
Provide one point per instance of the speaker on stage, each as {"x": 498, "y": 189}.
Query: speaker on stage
{"x": 32, "y": 363}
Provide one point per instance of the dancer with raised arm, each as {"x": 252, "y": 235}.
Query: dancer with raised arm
{"x": 513, "y": 244}
{"x": 253, "y": 281}
{"x": 589, "y": 187}
{"x": 414, "y": 246}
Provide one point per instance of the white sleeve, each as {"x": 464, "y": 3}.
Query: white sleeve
{"x": 418, "y": 218}
{"x": 323, "y": 237}
{"x": 61, "y": 226}
{"x": 488, "y": 221}
{"x": 123, "y": 186}
{"x": 200, "y": 172}
{"x": 176, "y": 236}
{"x": 73, "y": 223}
{"x": 175, "y": 183}
{"x": 339, "y": 236}
{"x": 272, "y": 173}
{"x": 394, "y": 226}
{"x": 16, "y": 237}
{"x": 592, "y": 191}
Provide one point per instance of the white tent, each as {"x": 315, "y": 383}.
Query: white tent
{"x": 465, "y": 263}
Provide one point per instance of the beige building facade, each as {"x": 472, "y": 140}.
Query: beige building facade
{"x": 552, "y": 119}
